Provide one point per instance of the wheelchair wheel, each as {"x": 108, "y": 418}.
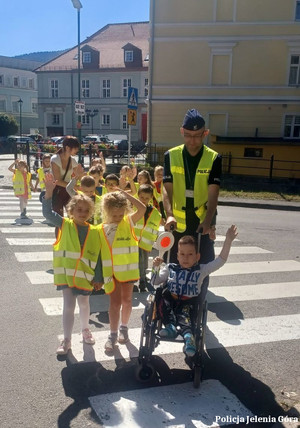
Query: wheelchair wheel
{"x": 144, "y": 372}
{"x": 200, "y": 343}
{"x": 147, "y": 340}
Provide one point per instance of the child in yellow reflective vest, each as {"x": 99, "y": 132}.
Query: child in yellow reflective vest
{"x": 87, "y": 186}
{"x": 146, "y": 230}
{"x": 45, "y": 169}
{"x": 22, "y": 184}
{"x": 76, "y": 260}
{"x": 120, "y": 259}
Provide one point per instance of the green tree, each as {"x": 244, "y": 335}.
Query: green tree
{"x": 8, "y": 125}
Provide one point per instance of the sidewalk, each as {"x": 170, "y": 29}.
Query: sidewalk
{"x": 6, "y": 183}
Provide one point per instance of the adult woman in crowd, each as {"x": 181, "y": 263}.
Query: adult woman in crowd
{"x": 62, "y": 165}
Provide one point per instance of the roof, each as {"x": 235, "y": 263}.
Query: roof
{"x": 21, "y": 64}
{"x": 109, "y": 41}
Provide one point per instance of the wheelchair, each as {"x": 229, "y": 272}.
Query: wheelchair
{"x": 150, "y": 338}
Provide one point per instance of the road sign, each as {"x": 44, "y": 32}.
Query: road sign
{"x": 131, "y": 117}
{"x": 132, "y": 98}
{"x": 79, "y": 107}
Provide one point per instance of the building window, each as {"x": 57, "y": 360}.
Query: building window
{"x": 292, "y": 127}
{"x": 55, "y": 119}
{"x": 125, "y": 85}
{"x": 128, "y": 56}
{"x": 2, "y": 105}
{"x": 106, "y": 88}
{"x": 31, "y": 83}
{"x": 253, "y": 153}
{"x": 294, "y": 78}
{"x": 86, "y": 57}
{"x": 124, "y": 121}
{"x": 16, "y": 81}
{"x": 85, "y": 87}
{"x": 34, "y": 107}
{"x": 106, "y": 119}
{"x": 53, "y": 88}
{"x": 297, "y": 11}
{"x": 146, "y": 88}
{"x": 15, "y": 107}
{"x": 1, "y": 80}
{"x": 85, "y": 119}
{"x": 24, "y": 82}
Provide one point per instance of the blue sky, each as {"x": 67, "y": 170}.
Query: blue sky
{"x": 48, "y": 25}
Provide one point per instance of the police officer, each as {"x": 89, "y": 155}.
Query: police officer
{"x": 192, "y": 173}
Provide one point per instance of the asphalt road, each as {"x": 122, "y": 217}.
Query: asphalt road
{"x": 40, "y": 390}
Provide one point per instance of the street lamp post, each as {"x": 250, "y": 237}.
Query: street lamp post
{"x": 77, "y": 5}
{"x": 92, "y": 113}
{"x": 20, "y": 106}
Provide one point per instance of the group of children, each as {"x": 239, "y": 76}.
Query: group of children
{"x": 104, "y": 241}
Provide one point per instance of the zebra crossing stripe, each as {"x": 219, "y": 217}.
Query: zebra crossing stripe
{"x": 243, "y": 250}
{"x": 17, "y": 220}
{"x": 242, "y": 268}
{"x": 219, "y": 334}
{"x": 17, "y": 208}
{"x": 31, "y": 241}
{"x": 37, "y": 256}
{"x": 99, "y": 303}
{"x": 17, "y": 213}
{"x": 42, "y": 277}
{"x": 27, "y": 230}
{"x": 171, "y": 406}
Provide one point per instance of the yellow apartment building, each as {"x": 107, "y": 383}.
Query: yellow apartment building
{"x": 238, "y": 63}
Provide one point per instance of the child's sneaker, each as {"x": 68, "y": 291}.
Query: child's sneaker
{"x": 123, "y": 335}
{"x": 111, "y": 342}
{"x": 88, "y": 337}
{"x": 64, "y": 347}
{"x": 169, "y": 332}
{"x": 189, "y": 347}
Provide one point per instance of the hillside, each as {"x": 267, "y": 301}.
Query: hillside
{"x": 40, "y": 56}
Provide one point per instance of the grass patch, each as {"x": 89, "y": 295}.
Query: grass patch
{"x": 248, "y": 194}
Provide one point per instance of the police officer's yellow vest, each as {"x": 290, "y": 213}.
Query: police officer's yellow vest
{"x": 200, "y": 184}
{"x": 19, "y": 185}
{"x": 73, "y": 265}
{"x": 41, "y": 175}
{"x": 121, "y": 260}
{"x": 147, "y": 233}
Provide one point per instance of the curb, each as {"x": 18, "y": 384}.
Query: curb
{"x": 262, "y": 205}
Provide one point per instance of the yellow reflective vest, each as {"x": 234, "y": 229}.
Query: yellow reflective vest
{"x": 120, "y": 261}
{"x": 41, "y": 175}
{"x": 147, "y": 232}
{"x": 73, "y": 265}
{"x": 19, "y": 185}
{"x": 200, "y": 184}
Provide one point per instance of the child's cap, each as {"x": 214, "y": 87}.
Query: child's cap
{"x": 193, "y": 120}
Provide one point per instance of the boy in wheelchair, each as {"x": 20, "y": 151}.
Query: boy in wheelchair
{"x": 182, "y": 285}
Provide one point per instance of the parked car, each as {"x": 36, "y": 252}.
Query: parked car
{"x": 96, "y": 139}
{"x": 121, "y": 144}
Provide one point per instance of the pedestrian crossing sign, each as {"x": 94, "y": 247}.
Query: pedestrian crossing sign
{"x": 132, "y": 98}
{"x": 131, "y": 117}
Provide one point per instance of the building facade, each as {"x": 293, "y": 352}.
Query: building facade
{"x": 111, "y": 60}
{"x": 238, "y": 63}
{"x": 19, "y": 82}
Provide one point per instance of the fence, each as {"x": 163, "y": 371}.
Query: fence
{"x": 259, "y": 167}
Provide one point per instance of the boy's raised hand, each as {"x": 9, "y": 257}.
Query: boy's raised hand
{"x": 157, "y": 261}
{"x": 232, "y": 233}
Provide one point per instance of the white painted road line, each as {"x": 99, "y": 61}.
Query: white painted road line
{"x": 219, "y": 334}
{"x": 14, "y": 214}
{"x": 53, "y": 306}
{"x": 28, "y": 229}
{"x": 40, "y": 277}
{"x": 5, "y": 202}
{"x": 16, "y": 208}
{"x": 172, "y": 406}
{"x": 244, "y": 293}
{"x": 32, "y": 241}
{"x": 257, "y": 267}
{"x": 243, "y": 250}
{"x": 99, "y": 303}
{"x": 37, "y": 256}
